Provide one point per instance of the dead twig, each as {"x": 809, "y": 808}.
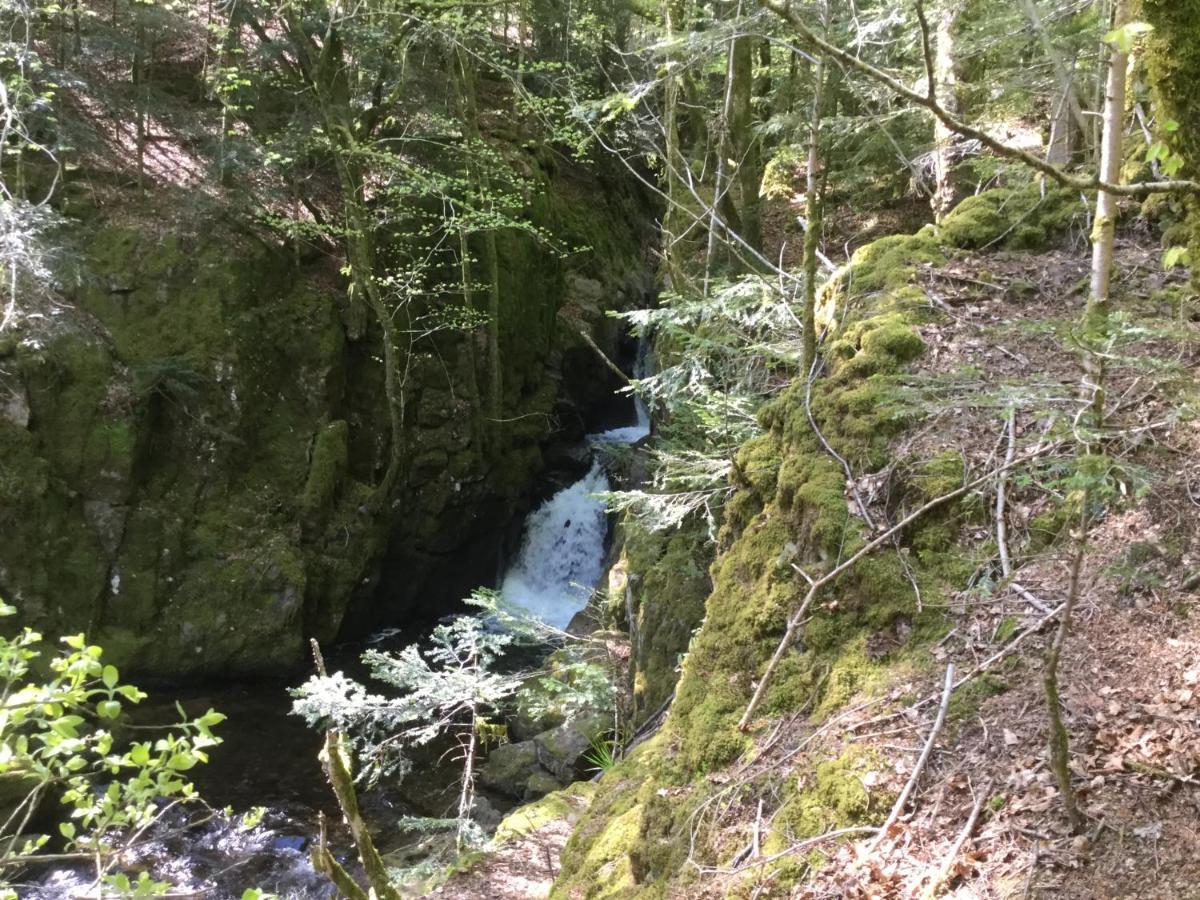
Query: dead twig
{"x": 943, "y": 871}
{"x": 1001, "y": 494}
{"x": 902, "y": 800}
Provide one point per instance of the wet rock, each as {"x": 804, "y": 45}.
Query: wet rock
{"x": 484, "y": 814}
{"x": 14, "y": 407}
{"x": 107, "y": 521}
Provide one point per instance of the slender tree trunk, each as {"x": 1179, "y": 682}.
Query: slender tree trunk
{"x": 743, "y": 144}
{"x": 1060, "y": 738}
{"x": 138, "y": 77}
{"x": 1105, "y": 16}
{"x": 1071, "y": 109}
{"x": 1096, "y": 323}
{"x": 229, "y": 45}
{"x": 724, "y": 148}
{"x": 1096, "y": 330}
{"x": 673, "y": 13}
{"x": 946, "y": 87}
{"x": 473, "y": 393}
{"x": 76, "y": 29}
{"x": 813, "y": 211}
{"x": 1060, "y": 146}
{"x": 466, "y": 794}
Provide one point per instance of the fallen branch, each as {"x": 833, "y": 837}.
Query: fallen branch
{"x": 794, "y": 848}
{"x": 612, "y": 366}
{"x": 796, "y": 619}
{"x": 902, "y": 800}
{"x": 1029, "y": 597}
{"x": 948, "y": 863}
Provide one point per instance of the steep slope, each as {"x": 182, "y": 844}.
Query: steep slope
{"x": 932, "y": 349}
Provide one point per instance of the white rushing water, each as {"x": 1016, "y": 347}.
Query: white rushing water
{"x": 629, "y": 434}
{"x": 562, "y": 552}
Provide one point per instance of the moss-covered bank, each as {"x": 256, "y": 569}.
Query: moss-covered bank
{"x": 791, "y": 510}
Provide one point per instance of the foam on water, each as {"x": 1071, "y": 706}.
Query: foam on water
{"x": 629, "y": 434}
{"x": 562, "y": 552}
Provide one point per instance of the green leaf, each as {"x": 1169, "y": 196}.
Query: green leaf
{"x": 1126, "y": 36}
{"x": 108, "y": 709}
{"x": 67, "y": 830}
{"x": 110, "y": 677}
{"x": 181, "y": 761}
{"x": 1177, "y": 256}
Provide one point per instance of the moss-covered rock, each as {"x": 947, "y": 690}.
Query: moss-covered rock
{"x": 565, "y": 805}
{"x": 1031, "y": 217}
{"x": 509, "y": 767}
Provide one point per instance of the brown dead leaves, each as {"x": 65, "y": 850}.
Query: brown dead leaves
{"x": 1160, "y": 736}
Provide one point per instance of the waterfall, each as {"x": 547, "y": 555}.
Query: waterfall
{"x": 562, "y": 552}
{"x": 631, "y": 434}
{"x": 562, "y": 549}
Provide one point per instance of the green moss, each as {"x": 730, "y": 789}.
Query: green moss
{"x": 566, "y": 805}
{"x": 1006, "y": 629}
{"x": 834, "y": 796}
{"x": 968, "y": 698}
{"x": 668, "y": 605}
{"x": 328, "y": 467}
{"x": 1049, "y": 526}
{"x": 865, "y": 631}
{"x": 1025, "y": 218}
{"x": 890, "y": 262}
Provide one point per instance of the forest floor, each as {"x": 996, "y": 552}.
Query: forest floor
{"x": 986, "y": 816}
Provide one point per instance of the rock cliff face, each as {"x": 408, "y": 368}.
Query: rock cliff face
{"x": 188, "y": 440}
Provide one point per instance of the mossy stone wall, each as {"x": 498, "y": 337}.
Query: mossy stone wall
{"x": 189, "y": 442}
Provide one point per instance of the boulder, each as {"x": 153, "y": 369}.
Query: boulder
{"x": 509, "y": 767}
{"x": 561, "y": 750}
{"x": 540, "y": 784}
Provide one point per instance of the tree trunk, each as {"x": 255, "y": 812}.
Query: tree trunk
{"x": 230, "y": 43}
{"x": 1096, "y": 317}
{"x": 946, "y": 87}
{"x": 138, "y": 77}
{"x": 1095, "y": 338}
{"x": 1068, "y": 109}
{"x": 724, "y": 149}
{"x": 743, "y": 144}
{"x": 1060, "y": 146}
{"x": 813, "y": 212}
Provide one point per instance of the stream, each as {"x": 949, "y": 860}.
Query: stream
{"x": 268, "y": 760}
